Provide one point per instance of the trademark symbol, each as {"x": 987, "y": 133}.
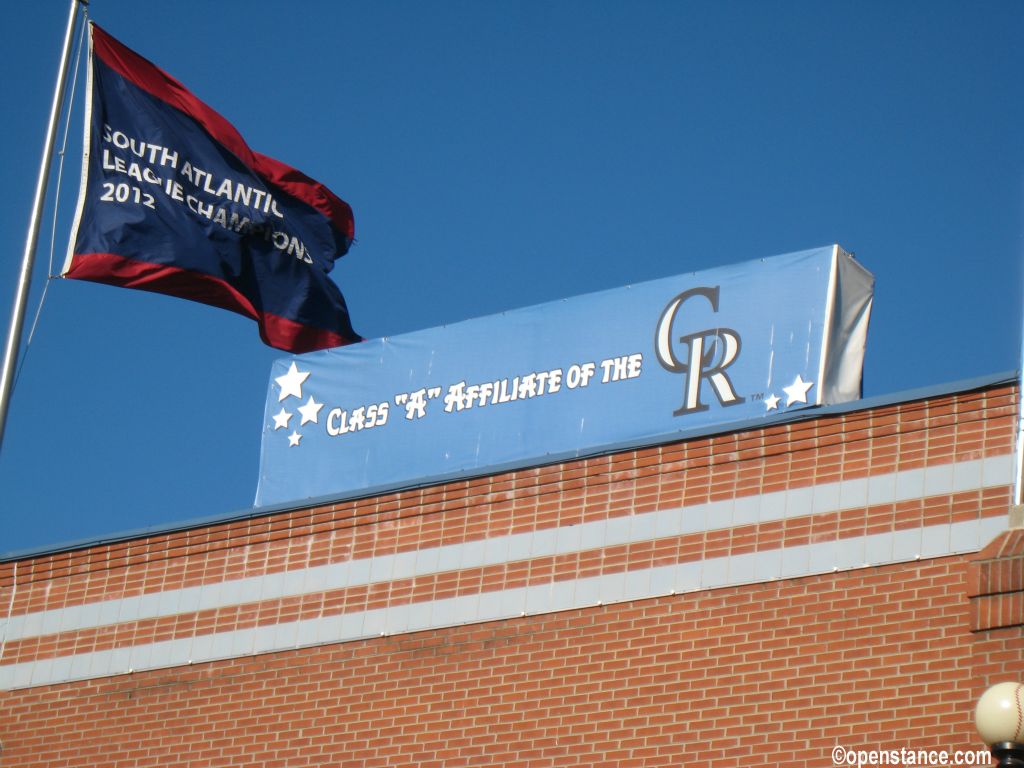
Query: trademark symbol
{"x": 757, "y": 396}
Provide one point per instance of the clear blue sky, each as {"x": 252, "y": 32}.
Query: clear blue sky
{"x": 504, "y": 154}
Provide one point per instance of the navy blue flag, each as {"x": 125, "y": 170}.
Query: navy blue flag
{"x": 174, "y": 201}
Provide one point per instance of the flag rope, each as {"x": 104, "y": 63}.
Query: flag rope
{"x": 11, "y": 348}
{"x": 56, "y": 197}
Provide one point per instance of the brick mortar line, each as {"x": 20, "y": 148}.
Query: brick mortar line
{"x": 623, "y": 509}
{"x": 425, "y": 588}
{"x": 219, "y": 577}
{"x": 326, "y": 656}
{"x": 249, "y": 642}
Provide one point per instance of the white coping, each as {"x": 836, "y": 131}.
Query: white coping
{"x": 788, "y": 562}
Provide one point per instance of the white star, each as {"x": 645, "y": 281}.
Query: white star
{"x": 771, "y": 402}
{"x": 310, "y": 410}
{"x": 293, "y": 439}
{"x": 797, "y": 391}
{"x": 281, "y": 419}
{"x": 291, "y": 383}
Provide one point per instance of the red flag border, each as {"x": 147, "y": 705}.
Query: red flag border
{"x": 276, "y": 331}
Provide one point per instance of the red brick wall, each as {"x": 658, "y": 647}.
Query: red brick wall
{"x": 995, "y": 583}
{"x": 776, "y": 672}
{"x": 769, "y": 674}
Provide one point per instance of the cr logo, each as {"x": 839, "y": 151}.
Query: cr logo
{"x": 698, "y": 361}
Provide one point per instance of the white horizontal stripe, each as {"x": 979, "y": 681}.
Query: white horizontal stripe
{"x": 628, "y": 529}
{"x": 804, "y": 560}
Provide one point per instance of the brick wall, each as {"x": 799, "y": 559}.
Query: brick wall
{"x": 756, "y": 597}
{"x": 995, "y": 583}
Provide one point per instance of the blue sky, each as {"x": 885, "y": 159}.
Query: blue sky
{"x": 499, "y": 155}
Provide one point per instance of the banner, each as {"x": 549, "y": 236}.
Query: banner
{"x": 174, "y": 201}
{"x": 638, "y": 365}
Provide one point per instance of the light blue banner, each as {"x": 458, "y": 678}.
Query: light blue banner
{"x": 642, "y": 364}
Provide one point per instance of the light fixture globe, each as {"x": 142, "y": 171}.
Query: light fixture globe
{"x": 999, "y": 716}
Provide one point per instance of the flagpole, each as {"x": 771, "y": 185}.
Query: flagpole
{"x": 1017, "y": 514}
{"x": 7, "y": 373}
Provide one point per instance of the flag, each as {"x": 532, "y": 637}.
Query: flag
{"x": 174, "y": 201}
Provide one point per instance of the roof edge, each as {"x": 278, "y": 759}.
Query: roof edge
{"x": 878, "y": 401}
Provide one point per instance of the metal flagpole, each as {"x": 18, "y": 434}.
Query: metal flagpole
{"x": 1017, "y": 517}
{"x": 28, "y": 259}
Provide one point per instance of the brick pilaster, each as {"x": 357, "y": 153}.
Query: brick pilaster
{"x": 995, "y": 583}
